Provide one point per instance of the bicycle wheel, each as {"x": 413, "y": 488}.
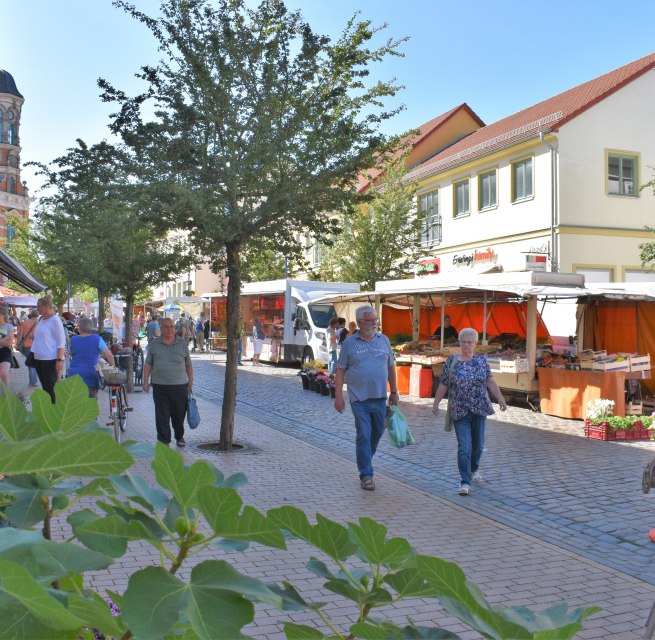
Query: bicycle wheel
{"x": 114, "y": 412}
{"x": 122, "y": 408}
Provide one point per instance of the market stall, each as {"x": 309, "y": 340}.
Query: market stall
{"x": 500, "y": 306}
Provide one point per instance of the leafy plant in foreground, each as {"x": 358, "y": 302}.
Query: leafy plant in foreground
{"x": 42, "y": 595}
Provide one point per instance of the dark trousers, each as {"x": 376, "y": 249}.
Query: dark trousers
{"x": 48, "y": 376}
{"x": 170, "y": 410}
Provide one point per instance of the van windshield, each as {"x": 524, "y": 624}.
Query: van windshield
{"x": 321, "y": 314}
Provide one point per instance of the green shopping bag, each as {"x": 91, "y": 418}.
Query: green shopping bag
{"x": 399, "y": 433}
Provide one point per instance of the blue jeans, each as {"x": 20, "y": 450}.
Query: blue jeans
{"x": 369, "y": 426}
{"x": 332, "y": 361}
{"x": 34, "y": 379}
{"x": 239, "y": 349}
{"x": 470, "y": 444}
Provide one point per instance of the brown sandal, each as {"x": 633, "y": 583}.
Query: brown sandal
{"x": 368, "y": 484}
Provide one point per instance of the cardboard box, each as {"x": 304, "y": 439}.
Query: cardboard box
{"x": 519, "y": 365}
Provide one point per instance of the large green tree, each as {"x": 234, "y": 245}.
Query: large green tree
{"x": 94, "y": 227}
{"x": 380, "y": 240}
{"x": 261, "y": 127}
{"x": 31, "y": 248}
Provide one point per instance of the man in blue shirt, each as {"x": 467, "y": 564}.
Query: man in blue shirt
{"x": 366, "y": 363}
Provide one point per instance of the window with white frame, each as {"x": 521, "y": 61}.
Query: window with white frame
{"x": 596, "y": 274}
{"x": 522, "y": 180}
{"x": 621, "y": 174}
{"x": 317, "y": 256}
{"x": 461, "y": 204}
{"x": 431, "y": 225}
{"x": 487, "y": 197}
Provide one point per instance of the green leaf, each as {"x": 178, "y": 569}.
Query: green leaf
{"x": 72, "y": 411}
{"x": 136, "y": 488}
{"x": 19, "y": 623}
{"x": 183, "y": 483}
{"x": 382, "y": 630}
{"x": 319, "y": 569}
{"x": 213, "y": 601}
{"x": 373, "y": 546}
{"x": 97, "y": 614}
{"x": 408, "y": 583}
{"x": 328, "y": 536}
{"x": 13, "y": 417}
{"x": 80, "y": 454}
{"x": 26, "y": 509}
{"x": 48, "y": 560}
{"x": 18, "y": 583}
{"x": 231, "y": 546}
{"x": 222, "y": 509}
{"x": 153, "y": 602}
{"x": 464, "y": 600}
{"x": 301, "y": 632}
{"x": 292, "y": 600}
{"x": 109, "y": 534}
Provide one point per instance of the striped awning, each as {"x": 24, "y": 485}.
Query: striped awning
{"x": 17, "y": 273}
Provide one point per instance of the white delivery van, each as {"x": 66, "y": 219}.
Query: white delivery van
{"x": 295, "y": 326}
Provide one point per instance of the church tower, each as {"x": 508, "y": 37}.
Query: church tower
{"x": 14, "y": 198}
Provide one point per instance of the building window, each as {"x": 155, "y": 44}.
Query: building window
{"x": 11, "y": 134}
{"x": 317, "y": 254}
{"x": 2, "y": 127}
{"x": 431, "y": 225}
{"x": 621, "y": 174}
{"x": 461, "y": 193}
{"x": 522, "y": 187}
{"x": 12, "y": 185}
{"x": 596, "y": 274}
{"x": 11, "y": 235}
{"x": 487, "y": 190}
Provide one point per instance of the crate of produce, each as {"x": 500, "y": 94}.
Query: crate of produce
{"x": 611, "y": 365}
{"x": 639, "y": 363}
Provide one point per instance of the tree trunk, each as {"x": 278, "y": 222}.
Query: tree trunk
{"x": 230, "y": 389}
{"x": 129, "y": 312}
{"x": 101, "y": 313}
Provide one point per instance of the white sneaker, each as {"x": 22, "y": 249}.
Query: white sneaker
{"x": 464, "y": 490}
{"x": 477, "y": 477}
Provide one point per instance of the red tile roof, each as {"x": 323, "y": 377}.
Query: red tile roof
{"x": 414, "y": 139}
{"x": 544, "y": 116}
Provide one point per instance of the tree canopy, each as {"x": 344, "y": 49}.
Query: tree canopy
{"x": 260, "y": 129}
{"x": 380, "y": 240}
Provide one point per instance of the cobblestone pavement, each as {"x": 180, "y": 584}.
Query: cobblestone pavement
{"x": 560, "y": 518}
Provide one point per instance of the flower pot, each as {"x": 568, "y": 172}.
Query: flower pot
{"x": 325, "y": 390}
{"x": 333, "y": 392}
{"x": 305, "y": 381}
{"x": 320, "y": 386}
{"x": 600, "y": 431}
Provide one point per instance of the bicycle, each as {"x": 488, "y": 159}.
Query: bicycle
{"x": 114, "y": 379}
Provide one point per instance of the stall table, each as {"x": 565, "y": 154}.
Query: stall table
{"x": 565, "y": 392}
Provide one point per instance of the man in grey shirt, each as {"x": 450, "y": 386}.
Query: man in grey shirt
{"x": 366, "y": 363}
{"x": 169, "y": 364}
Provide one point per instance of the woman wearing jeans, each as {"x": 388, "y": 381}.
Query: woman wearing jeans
{"x": 48, "y": 346}
{"x": 469, "y": 379}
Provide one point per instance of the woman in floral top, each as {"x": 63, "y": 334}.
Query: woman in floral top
{"x": 469, "y": 379}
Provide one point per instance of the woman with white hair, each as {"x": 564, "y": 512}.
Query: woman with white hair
{"x": 468, "y": 379}
{"x": 85, "y": 352}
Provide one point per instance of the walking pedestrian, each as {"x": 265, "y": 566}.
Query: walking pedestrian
{"x": 366, "y": 363}
{"x": 467, "y": 377}
{"x": 199, "y": 330}
{"x": 49, "y": 346}
{"x": 6, "y": 344}
{"x": 26, "y": 335}
{"x": 240, "y": 340}
{"x": 169, "y": 363}
{"x": 152, "y": 329}
{"x": 258, "y": 336}
{"x": 332, "y": 343}
{"x": 85, "y": 352}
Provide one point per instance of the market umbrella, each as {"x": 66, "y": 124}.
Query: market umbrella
{"x": 169, "y": 308}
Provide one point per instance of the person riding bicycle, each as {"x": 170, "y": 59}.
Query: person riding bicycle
{"x": 85, "y": 350}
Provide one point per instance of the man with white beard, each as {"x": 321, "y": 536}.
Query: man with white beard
{"x": 366, "y": 364}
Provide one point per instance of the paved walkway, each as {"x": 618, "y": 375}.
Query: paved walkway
{"x": 561, "y": 518}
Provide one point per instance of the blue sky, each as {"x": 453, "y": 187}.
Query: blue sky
{"x": 499, "y": 56}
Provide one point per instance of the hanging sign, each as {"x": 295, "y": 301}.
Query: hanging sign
{"x": 535, "y": 262}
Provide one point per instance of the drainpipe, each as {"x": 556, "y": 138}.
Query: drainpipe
{"x": 554, "y": 252}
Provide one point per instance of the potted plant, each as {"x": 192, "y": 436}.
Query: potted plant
{"x": 596, "y": 423}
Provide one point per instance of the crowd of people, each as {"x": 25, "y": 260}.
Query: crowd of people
{"x": 58, "y": 345}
